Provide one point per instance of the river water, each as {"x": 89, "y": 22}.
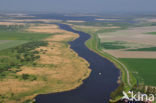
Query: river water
{"x": 96, "y": 88}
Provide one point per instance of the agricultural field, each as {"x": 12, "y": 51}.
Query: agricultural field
{"x": 138, "y": 49}
{"x": 36, "y": 60}
{"x": 143, "y": 68}
{"x": 131, "y": 47}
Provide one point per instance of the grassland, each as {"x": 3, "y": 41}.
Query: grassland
{"x": 4, "y": 44}
{"x": 144, "y": 49}
{"x": 144, "y": 69}
{"x": 112, "y": 45}
{"x": 152, "y": 33}
{"x": 10, "y": 39}
{"x": 41, "y": 65}
{"x": 14, "y": 35}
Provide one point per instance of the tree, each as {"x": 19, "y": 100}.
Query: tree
{"x": 25, "y": 76}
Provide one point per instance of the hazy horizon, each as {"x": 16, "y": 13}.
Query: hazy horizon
{"x": 80, "y": 6}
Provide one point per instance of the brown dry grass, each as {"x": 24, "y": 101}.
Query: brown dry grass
{"x": 10, "y": 23}
{"x": 67, "y": 73}
{"x": 35, "y": 20}
{"x": 93, "y": 28}
{"x": 50, "y": 28}
{"x": 15, "y": 86}
{"x": 96, "y": 27}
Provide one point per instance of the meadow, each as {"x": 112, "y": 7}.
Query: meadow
{"x": 152, "y": 33}
{"x": 4, "y": 44}
{"x": 144, "y": 69}
{"x": 144, "y": 49}
{"x": 14, "y": 35}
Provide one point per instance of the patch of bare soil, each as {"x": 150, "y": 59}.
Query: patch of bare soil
{"x": 135, "y": 35}
{"x": 131, "y": 54}
{"x": 150, "y": 20}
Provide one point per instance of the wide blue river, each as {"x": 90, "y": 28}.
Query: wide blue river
{"x": 96, "y": 88}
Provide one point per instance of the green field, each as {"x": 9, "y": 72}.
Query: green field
{"x": 142, "y": 68}
{"x": 153, "y": 33}
{"x": 22, "y": 35}
{"x": 112, "y": 45}
{"x": 13, "y": 27}
{"x": 144, "y": 49}
{"x": 10, "y": 39}
{"x": 4, "y": 44}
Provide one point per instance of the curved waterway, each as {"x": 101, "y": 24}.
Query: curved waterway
{"x": 96, "y": 88}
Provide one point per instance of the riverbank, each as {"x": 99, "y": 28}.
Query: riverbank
{"x": 93, "y": 44}
{"x": 57, "y": 69}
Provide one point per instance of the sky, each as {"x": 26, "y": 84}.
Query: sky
{"x": 80, "y": 6}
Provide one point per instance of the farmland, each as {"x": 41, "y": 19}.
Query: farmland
{"x": 144, "y": 49}
{"x": 143, "y": 68}
{"x": 131, "y": 47}
{"x": 39, "y": 57}
{"x": 152, "y": 33}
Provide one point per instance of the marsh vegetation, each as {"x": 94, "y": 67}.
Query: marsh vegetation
{"x": 40, "y": 63}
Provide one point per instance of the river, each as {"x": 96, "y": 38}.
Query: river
{"x": 96, "y": 88}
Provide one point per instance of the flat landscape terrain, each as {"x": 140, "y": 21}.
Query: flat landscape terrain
{"x": 136, "y": 43}
{"x": 145, "y": 68}
{"x": 36, "y": 59}
{"x": 130, "y": 46}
